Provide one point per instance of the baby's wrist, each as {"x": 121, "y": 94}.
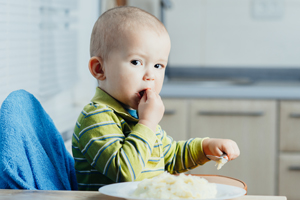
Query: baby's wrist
{"x": 149, "y": 124}
{"x": 205, "y": 146}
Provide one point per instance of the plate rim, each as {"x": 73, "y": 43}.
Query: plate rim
{"x": 243, "y": 191}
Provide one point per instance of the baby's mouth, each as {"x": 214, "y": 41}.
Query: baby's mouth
{"x": 141, "y": 94}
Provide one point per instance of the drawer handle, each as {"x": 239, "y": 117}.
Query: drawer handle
{"x": 225, "y": 113}
{"x": 169, "y": 112}
{"x": 294, "y": 168}
{"x": 295, "y": 115}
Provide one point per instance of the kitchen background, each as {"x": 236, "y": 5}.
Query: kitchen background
{"x": 233, "y": 72}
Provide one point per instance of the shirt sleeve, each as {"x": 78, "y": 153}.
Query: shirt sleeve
{"x": 182, "y": 156}
{"x": 106, "y": 148}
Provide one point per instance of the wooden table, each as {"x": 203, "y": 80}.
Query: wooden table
{"x": 81, "y": 195}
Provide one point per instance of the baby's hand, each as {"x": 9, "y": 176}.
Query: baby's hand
{"x": 217, "y": 147}
{"x": 151, "y": 109}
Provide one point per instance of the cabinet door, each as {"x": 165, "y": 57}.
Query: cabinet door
{"x": 251, "y": 124}
{"x": 289, "y": 126}
{"x": 289, "y": 175}
{"x": 174, "y": 121}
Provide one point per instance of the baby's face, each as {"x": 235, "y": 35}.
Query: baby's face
{"x": 137, "y": 64}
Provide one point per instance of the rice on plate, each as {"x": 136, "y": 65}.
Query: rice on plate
{"x": 167, "y": 186}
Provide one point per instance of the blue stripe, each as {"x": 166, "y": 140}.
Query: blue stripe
{"x": 77, "y": 125}
{"x": 158, "y": 145}
{"x": 100, "y": 140}
{"x": 166, "y": 166}
{"x": 184, "y": 155}
{"x": 143, "y": 141}
{"x": 102, "y": 151}
{"x": 89, "y": 185}
{"x": 137, "y": 151}
{"x": 95, "y": 127}
{"x": 103, "y": 111}
{"x": 123, "y": 122}
{"x": 155, "y": 170}
{"x": 83, "y": 113}
{"x": 162, "y": 134}
{"x": 119, "y": 180}
{"x": 75, "y": 137}
{"x": 168, "y": 149}
{"x": 130, "y": 165}
{"x": 174, "y": 157}
{"x": 76, "y": 160}
{"x": 109, "y": 165}
{"x": 170, "y": 139}
{"x": 76, "y": 148}
{"x": 91, "y": 172}
{"x": 153, "y": 160}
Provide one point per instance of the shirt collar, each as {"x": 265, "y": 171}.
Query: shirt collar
{"x": 101, "y": 97}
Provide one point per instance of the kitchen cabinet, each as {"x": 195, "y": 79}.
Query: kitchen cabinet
{"x": 290, "y": 126}
{"x": 251, "y": 123}
{"x": 289, "y": 175}
{"x": 289, "y": 155}
{"x": 174, "y": 121}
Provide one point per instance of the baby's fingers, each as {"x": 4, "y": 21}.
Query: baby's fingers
{"x": 149, "y": 94}
{"x": 232, "y": 151}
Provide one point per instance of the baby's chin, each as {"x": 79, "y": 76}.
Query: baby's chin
{"x": 131, "y": 107}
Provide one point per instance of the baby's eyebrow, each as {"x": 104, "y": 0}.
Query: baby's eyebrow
{"x": 162, "y": 60}
{"x": 136, "y": 54}
{"x": 158, "y": 61}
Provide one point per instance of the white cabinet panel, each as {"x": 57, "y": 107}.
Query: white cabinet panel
{"x": 289, "y": 126}
{"x": 174, "y": 121}
{"x": 289, "y": 175}
{"x": 252, "y": 124}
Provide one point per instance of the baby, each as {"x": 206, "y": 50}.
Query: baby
{"x": 117, "y": 137}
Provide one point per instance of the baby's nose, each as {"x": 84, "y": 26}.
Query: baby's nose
{"x": 149, "y": 76}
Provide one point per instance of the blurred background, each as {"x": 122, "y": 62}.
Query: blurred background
{"x": 233, "y": 72}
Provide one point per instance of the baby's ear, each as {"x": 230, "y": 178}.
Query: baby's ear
{"x": 96, "y": 68}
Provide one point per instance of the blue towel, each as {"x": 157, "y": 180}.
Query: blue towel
{"x": 32, "y": 152}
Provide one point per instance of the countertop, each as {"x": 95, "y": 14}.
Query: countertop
{"x": 226, "y": 90}
{"x": 81, "y": 195}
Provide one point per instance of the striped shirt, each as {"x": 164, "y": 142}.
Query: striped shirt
{"x": 110, "y": 146}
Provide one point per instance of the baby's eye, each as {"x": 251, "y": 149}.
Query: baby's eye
{"x": 136, "y": 62}
{"x": 159, "y": 66}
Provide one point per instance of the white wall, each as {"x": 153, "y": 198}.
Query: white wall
{"x": 89, "y": 12}
{"x": 234, "y": 33}
{"x": 44, "y": 49}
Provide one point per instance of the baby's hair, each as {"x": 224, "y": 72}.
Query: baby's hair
{"x": 112, "y": 23}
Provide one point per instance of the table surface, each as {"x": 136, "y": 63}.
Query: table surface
{"x": 8, "y": 194}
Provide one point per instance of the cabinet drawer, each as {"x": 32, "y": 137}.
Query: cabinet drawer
{"x": 174, "y": 121}
{"x": 289, "y": 175}
{"x": 251, "y": 124}
{"x": 289, "y": 126}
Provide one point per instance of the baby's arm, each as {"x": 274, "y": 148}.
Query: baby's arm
{"x": 217, "y": 147}
{"x": 181, "y": 156}
{"x": 103, "y": 145}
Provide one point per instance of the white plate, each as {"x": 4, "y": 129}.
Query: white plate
{"x": 124, "y": 190}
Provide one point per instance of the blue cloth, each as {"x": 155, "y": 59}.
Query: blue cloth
{"x": 133, "y": 113}
{"x": 32, "y": 152}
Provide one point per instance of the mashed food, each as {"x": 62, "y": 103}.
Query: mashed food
{"x": 220, "y": 163}
{"x": 167, "y": 186}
